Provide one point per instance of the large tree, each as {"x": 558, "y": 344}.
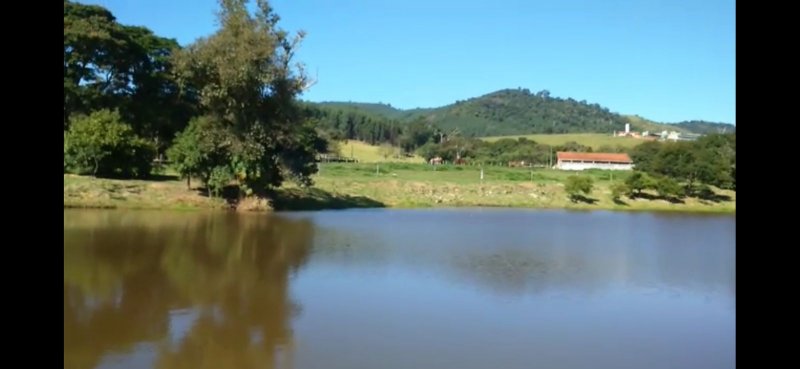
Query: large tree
{"x": 108, "y": 65}
{"x": 416, "y": 134}
{"x": 246, "y": 83}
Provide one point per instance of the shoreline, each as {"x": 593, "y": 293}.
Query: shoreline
{"x": 172, "y": 195}
{"x": 464, "y": 207}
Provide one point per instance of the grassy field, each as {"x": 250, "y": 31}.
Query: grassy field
{"x": 164, "y": 193}
{"x": 400, "y": 185}
{"x": 594, "y": 140}
{"x": 419, "y": 185}
{"x": 366, "y": 153}
{"x": 168, "y": 192}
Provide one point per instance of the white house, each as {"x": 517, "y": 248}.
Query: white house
{"x": 593, "y": 160}
{"x": 678, "y": 136}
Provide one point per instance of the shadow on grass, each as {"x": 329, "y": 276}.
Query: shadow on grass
{"x": 162, "y": 177}
{"x": 229, "y": 193}
{"x": 298, "y": 199}
{"x": 583, "y": 199}
{"x": 317, "y": 199}
{"x": 151, "y": 177}
{"x": 643, "y": 195}
{"x": 651, "y": 197}
{"x": 673, "y": 199}
{"x": 619, "y": 202}
{"x": 710, "y": 195}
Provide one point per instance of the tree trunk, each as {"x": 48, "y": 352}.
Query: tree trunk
{"x": 189, "y": 182}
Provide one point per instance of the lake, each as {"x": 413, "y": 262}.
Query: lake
{"x": 467, "y": 288}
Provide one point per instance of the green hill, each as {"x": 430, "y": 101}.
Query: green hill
{"x": 517, "y": 112}
{"x": 703, "y": 127}
{"x": 380, "y": 109}
{"x": 509, "y": 112}
{"x": 642, "y": 124}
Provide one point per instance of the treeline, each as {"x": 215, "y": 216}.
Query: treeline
{"x": 703, "y": 127}
{"x": 507, "y": 112}
{"x": 503, "y": 152}
{"x": 355, "y": 124}
{"x": 223, "y": 108}
{"x": 519, "y": 111}
{"x": 679, "y": 169}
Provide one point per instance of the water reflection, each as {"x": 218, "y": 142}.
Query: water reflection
{"x": 130, "y": 282}
{"x": 398, "y": 289}
{"x": 517, "y": 289}
{"x": 522, "y": 252}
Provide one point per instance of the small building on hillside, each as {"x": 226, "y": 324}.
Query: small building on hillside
{"x": 679, "y": 136}
{"x": 592, "y": 160}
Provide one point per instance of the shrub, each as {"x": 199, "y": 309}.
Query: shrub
{"x": 102, "y": 145}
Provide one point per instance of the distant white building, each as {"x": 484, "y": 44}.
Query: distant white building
{"x": 678, "y": 136}
{"x": 593, "y": 160}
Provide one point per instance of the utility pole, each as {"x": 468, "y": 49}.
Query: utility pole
{"x": 481, "y": 179}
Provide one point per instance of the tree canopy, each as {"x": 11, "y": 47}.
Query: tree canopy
{"x": 108, "y": 65}
{"x": 710, "y": 160}
{"x": 238, "y": 87}
{"x": 247, "y": 88}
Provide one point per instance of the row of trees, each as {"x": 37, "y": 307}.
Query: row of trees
{"x": 347, "y": 122}
{"x": 340, "y": 123}
{"x": 711, "y": 160}
{"x": 674, "y": 170}
{"x": 499, "y": 152}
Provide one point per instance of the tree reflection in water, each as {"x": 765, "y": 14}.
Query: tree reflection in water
{"x": 127, "y": 275}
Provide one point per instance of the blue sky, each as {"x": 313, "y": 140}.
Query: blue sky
{"x": 666, "y": 60}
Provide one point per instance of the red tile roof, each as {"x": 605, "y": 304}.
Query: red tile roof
{"x": 594, "y": 156}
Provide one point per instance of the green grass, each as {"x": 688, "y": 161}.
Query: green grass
{"x": 399, "y": 185}
{"x": 419, "y": 185}
{"x": 165, "y": 193}
{"x": 594, "y": 140}
{"x": 366, "y": 153}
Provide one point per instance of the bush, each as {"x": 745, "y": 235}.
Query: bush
{"x": 668, "y": 188}
{"x": 703, "y": 192}
{"x": 220, "y": 177}
{"x": 637, "y": 182}
{"x": 576, "y": 185}
{"x": 102, "y": 145}
{"x": 618, "y": 189}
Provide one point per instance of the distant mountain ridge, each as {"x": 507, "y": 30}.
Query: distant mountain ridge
{"x": 518, "y": 112}
{"x": 700, "y": 126}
